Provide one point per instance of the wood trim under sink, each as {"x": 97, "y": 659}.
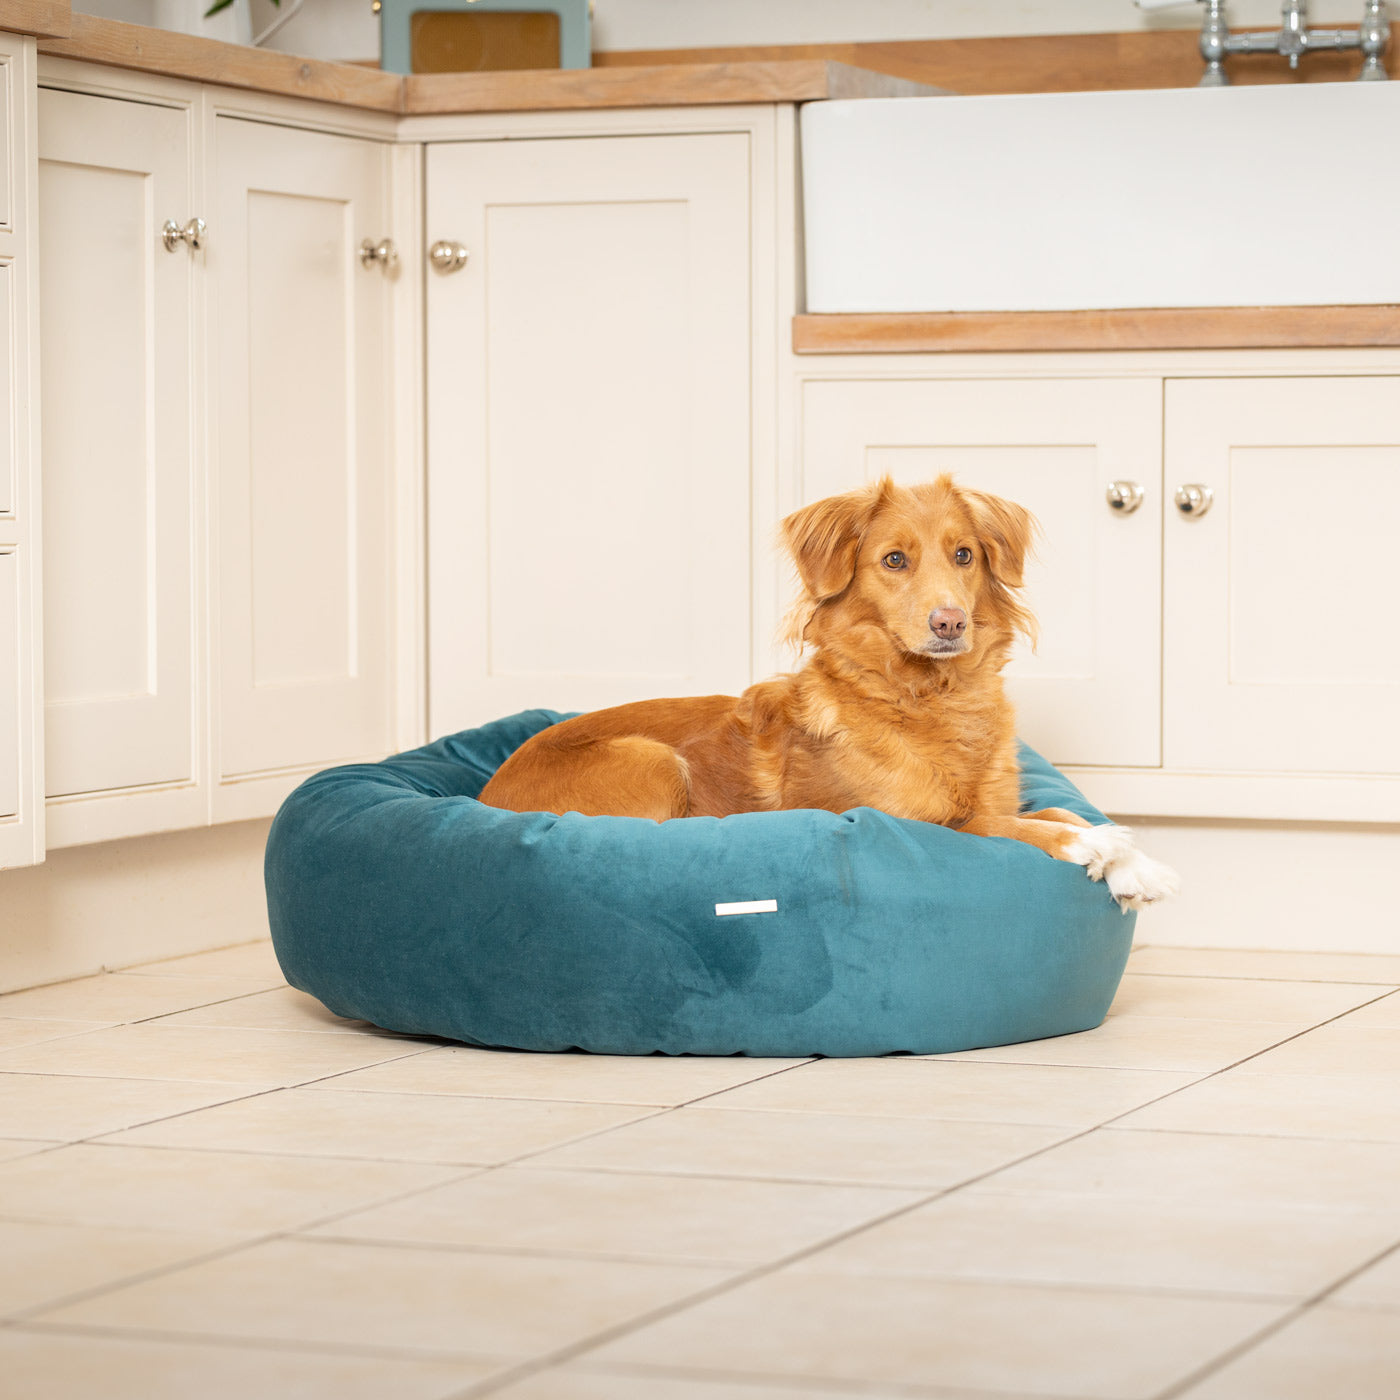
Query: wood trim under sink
{"x": 1152, "y": 328}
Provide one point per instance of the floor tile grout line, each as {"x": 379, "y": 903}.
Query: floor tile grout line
{"x": 256, "y": 1343}
{"x": 1256, "y": 1339}
{"x": 130, "y": 970}
{"x": 1308, "y": 1029}
{"x": 1006, "y": 1281}
{"x": 835, "y": 1387}
{"x": 95, "y": 1139}
{"x": 1226, "y": 1069}
{"x": 1389, "y": 983}
{"x": 291, "y": 1232}
{"x": 159, "y": 1015}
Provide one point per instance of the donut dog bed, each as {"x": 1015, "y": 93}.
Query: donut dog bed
{"x": 394, "y": 896}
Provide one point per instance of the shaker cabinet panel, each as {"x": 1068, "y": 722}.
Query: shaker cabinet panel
{"x": 119, "y": 527}
{"x": 8, "y": 406}
{"x": 1089, "y": 693}
{"x": 588, "y": 423}
{"x": 10, "y": 736}
{"x": 10, "y": 93}
{"x": 1281, "y": 598}
{"x": 302, "y": 443}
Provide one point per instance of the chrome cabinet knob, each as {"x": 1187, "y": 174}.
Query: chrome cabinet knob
{"x": 447, "y": 256}
{"x": 172, "y": 235}
{"x": 381, "y": 254}
{"x": 1124, "y": 496}
{"x": 1194, "y": 500}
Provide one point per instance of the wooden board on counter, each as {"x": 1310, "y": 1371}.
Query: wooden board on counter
{"x": 669, "y": 85}
{"x": 1185, "y": 328}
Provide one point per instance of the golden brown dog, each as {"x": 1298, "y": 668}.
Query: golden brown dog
{"x": 910, "y": 608}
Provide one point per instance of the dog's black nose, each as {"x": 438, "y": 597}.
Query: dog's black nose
{"x": 948, "y": 623}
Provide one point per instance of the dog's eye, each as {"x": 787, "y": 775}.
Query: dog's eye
{"x": 894, "y": 560}
{"x": 963, "y": 555}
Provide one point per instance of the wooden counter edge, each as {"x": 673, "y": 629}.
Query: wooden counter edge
{"x": 202, "y": 60}
{"x": 1152, "y": 328}
{"x": 668, "y": 85}
{"x": 45, "y": 19}
{"x": 197, "y": 59}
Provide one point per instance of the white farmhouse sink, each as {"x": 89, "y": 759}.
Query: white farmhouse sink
{"x": 1181, "y": 197}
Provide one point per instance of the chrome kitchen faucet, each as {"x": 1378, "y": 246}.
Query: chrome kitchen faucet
{"x": 1292, "y": 39}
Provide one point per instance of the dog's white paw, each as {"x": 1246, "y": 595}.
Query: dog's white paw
{"x": 1110, "y": 853}
{"x": 1097, "y": 848}
{"x": 1138, "y": 880}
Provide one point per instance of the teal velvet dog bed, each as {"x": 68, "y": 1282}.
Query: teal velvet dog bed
{"x": 396, "y": 897}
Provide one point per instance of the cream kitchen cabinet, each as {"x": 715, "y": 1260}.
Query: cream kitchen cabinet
{"x": 303, "y": 507}
{"x": 589, "y": 420}
{"x": 122, "y": 595}
{"x": 223, "y": 604}
{"x": 21, "y": 649}
{"x": 1281, "y": 599}
{"x": 1231, "y": 662}
{"x": 1090, "y": 693}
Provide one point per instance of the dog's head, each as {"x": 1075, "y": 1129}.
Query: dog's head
{"x": 934, "y": 570}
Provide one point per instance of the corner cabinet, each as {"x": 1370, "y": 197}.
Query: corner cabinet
{"x": 219, "y": 400}
{"x": 21, "y": 649}
{"x": 589, "y": 421}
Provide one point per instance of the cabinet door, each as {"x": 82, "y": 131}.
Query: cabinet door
{"x": 21, "y": 708}
{"x": 119, "y": 526}
{"x": 1281, "y": 600}
{"x": 1090, "y": 693}
{"x": 302, "y": 508}
{"x": 588, "y": 423}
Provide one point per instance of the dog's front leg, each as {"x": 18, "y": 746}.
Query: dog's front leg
{"x": 1107, "y": 852}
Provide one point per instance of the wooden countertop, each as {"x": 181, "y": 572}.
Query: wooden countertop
{"x": 352, "y": 85}
{"x": 41, "y": 17}
{"x": 1152, "y": 328}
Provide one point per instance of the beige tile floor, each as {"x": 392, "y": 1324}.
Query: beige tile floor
{"x": 211, "y": 1187}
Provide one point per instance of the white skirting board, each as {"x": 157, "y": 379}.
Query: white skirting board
{"x": 1277, "y": 885}
{"x": 113, "y": 905}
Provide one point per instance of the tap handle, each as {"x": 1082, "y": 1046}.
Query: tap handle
{"x": 1373, "y": 36}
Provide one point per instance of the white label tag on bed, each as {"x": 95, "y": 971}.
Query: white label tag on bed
{"x": 748, "y": 906}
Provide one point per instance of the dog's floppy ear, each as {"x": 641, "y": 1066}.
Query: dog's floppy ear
{"x": 824, "y": 537}
{"x": 1006, "y": 532}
